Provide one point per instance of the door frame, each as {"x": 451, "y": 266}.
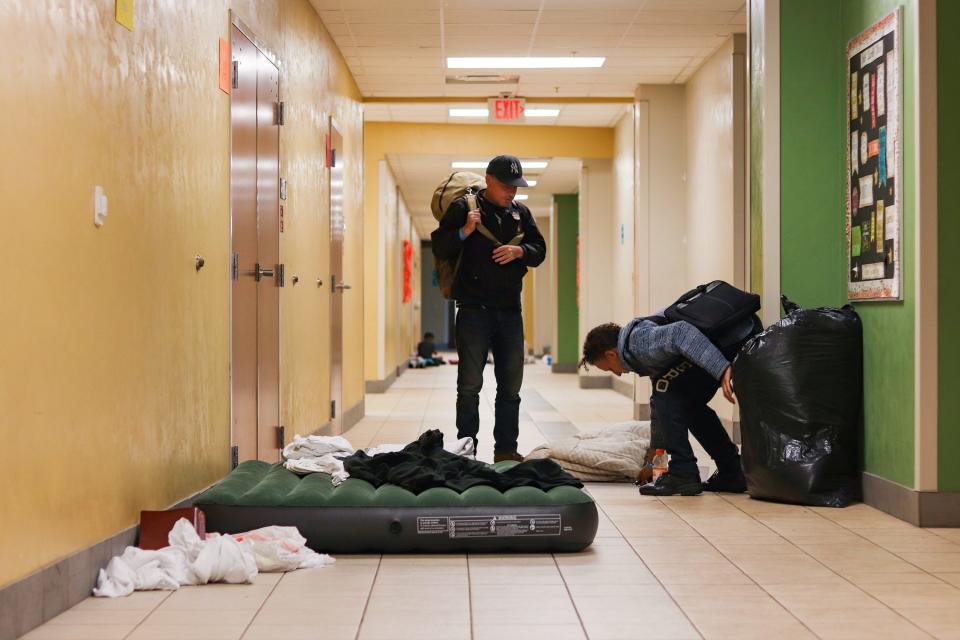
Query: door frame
{"x": 259, "y": 43}
{"x": 334, "y": 154}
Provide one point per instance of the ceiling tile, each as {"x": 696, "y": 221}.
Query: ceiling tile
{"x": 694, "y": 5}
{"x": 489, "y": 17}
{"x": 685, "y": 17}
{"x": 577, "y": 29}
{"x": 470, "y": 31}
{"x": 493, "y": 5}
{"x": 595, "y": 5}
{"x": 393, "y": 17}
{"x": 587, "y": 17}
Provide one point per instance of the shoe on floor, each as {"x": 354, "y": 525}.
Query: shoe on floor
{"x": 670, "y": 484}
{"x": 731, "y": 482}
{"x": 507, "y": 455}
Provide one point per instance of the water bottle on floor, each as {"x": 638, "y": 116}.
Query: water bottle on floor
{"x": 660, "y": 464}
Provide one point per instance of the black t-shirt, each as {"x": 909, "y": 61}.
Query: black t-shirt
{"x": 425, "y": 349}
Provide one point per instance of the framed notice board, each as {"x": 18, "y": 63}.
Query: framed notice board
{"x": 874, "y": 170}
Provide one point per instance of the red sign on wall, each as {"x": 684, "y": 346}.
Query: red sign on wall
{"x": 506, "y": 109}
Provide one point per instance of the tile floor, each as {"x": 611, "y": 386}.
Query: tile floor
{"x": 722, "y": 567}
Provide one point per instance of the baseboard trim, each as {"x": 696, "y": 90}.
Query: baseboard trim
{"x": 563, "y": 367}
{"x": 354, "y": 414}
{"x": 621, "y": 386}
{"x": 919, "y": 508}
{"x": 27, "y": 603}
{"x": 595, "y": 382}
{"x": 381, "y": 386}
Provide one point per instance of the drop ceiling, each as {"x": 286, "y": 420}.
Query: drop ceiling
{"x": 398, "y": 48}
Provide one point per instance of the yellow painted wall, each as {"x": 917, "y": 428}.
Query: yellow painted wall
{"x": 114, "y": 384}
{"x": 312, "y": 84}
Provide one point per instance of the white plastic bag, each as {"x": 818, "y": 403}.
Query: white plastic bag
{"x": 281, "y": 549}
{"x": 190, "y": 560}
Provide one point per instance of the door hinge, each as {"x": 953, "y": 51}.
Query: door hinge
{"x": 234, "y": 456}
{"x": 280, "y": 113}
{"x": 283, "y": 188}
{"x": 281, "y": 275}
{"x": 333, "y": 409}
{"x": 235, "y": 75}
{"x": 235, "y": 266}
{"x": 281, "y": 437}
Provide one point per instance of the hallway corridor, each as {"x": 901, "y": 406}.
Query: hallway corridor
{"x": 707, "y": 567}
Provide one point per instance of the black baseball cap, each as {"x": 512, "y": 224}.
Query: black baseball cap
{"x": 507, "y": 170}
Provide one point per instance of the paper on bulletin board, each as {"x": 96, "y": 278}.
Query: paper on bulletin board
{"x": 124, "y": 13}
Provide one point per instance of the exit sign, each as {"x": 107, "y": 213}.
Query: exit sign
{"x": 506, "y": 109}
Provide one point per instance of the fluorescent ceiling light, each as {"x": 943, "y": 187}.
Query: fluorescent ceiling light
{"x": 541, "y": 113}
{"x": 526, "y": 62}
{"x": 527, "y": 164}
{"x": 531, "y": 183}
{"x": 468, "y": 113}
{"x": 455, "y": 112}
{"x": 521, "y": 196}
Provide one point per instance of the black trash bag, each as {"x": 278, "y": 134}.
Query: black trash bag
{"x": 800, "y": 389}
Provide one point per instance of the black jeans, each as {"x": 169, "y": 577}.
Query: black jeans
{"x": 480, "y": 330}
{"x": 679, "y": 407}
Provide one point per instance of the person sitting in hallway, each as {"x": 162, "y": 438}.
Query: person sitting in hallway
{"x": 686, "y": 370}
{"x": 427, "y": 355}
{"x": 487, "y": 288}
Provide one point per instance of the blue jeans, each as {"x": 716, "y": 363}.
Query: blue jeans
{"x": 479, "y": 331}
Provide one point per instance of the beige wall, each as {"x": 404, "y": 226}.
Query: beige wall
{"x": 714, "y": 209}
{"x": 622, "y": 247}
{"x": 596, "y": 260}
{"x": 114, "y": 387}
{"x": 709, "y": 159}
{"x": 391, "y": 327}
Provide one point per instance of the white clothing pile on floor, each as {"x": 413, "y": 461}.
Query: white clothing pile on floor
{"x": 190, "y": 560}
{"x": 611, "y": 454}
{"x": 325, "y": 454}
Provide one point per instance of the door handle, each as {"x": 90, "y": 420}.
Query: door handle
{"x": 342, "y": 286}
{"x": 259, "y": 272}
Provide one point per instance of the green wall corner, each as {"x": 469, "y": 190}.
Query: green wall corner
{"x": 948, "y": 229}
{"x": 567, "y": 220}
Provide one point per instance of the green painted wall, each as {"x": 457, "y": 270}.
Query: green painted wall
{"x": 811, "y": 153}
{"x": 813, "y": 82}
{"x": 948, "y": 134}
{"x": 567, "y": 219}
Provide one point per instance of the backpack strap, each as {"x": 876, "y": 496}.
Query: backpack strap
{"x": 484, "y": 231}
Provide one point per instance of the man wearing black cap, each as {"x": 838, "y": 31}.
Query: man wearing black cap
{"x": 487, "y": 291}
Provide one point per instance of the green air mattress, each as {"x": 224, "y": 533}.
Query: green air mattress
{"x": 355, "y": 517}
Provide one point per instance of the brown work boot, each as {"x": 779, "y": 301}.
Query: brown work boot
{"x": 507, "y": 455}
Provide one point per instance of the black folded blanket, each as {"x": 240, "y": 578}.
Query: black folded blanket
{"x": 424, "y": 464}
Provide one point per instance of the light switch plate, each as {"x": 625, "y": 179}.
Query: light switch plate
{"x": 99, "y": 206}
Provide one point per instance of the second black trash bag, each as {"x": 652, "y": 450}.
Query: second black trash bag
{"x": 800, "y": 389}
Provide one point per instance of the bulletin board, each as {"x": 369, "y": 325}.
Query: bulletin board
{"x": 874, "y": 168}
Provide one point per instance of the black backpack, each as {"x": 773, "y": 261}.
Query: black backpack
{"x": 713, "y": 308}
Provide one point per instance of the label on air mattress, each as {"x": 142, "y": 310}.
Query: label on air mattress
{"x": 493, "y": 526}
